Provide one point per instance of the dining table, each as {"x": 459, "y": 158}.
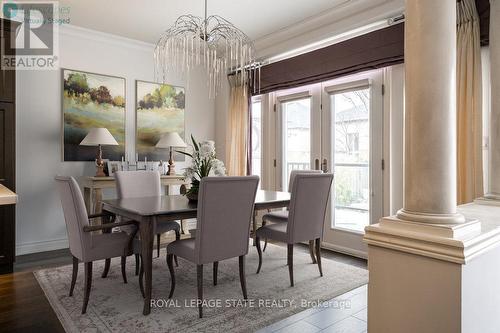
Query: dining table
{"x": 146, "y": 210}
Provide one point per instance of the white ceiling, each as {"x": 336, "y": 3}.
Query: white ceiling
{"x": 145, "y": 20}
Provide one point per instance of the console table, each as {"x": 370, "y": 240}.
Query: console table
{"x": 93, "y": 186}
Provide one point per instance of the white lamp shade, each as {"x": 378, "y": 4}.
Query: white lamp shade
{"x": 171, "y": 139}
{"x": 99, "y": 136}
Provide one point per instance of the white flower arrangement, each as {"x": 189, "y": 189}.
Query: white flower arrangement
{"x": 204, "y": 163}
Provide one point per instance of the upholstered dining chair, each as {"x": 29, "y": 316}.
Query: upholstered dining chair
{"x": 308, "y": 203}
{"x": 84, "y": 245}
{"x": 225, "y": 208}
{"x": 134, "y": 184}
{"x": 282, "y": 215}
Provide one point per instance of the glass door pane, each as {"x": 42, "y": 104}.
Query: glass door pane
{"x": 351, "y": 156}
{"x": 296, "y": 137}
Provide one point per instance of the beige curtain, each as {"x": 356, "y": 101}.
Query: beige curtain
{"x": 237, "y": 128}
{"x": 469, "y": 108}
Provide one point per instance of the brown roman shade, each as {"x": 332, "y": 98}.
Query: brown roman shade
{"x": 483, "y": 10}
{"x": 377, "y": 49}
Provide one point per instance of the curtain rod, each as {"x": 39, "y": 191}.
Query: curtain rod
{"x": 324, "y": 43}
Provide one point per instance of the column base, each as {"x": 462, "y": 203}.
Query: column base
{"x": 435, "y": 277}
{"x": 407, "y": 215}
{"x": 489, "y": 199}
{"x": 451, "y": 242}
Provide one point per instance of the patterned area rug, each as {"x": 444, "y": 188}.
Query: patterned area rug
{"x": 117, "y": 307}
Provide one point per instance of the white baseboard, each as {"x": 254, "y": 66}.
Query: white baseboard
{"x": 345, "y": 250}
{"x": 42, "y": 246}
{"x": 58, "y": 244}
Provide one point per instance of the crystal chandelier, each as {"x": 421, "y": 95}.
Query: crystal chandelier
{"x": 212, "y": 42}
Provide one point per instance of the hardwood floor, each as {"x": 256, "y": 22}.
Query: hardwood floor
{"x": 24, "y": 308}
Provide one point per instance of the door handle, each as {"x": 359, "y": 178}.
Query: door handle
{"x": 324, "y": 165}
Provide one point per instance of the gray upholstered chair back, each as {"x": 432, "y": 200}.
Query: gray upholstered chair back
{"x": 225, "y": 208}
{"x": 308, "y": 204}
{"x": 134, "y": 184}
{"x": 294, "y": 173}
{"x": 75, "y": 215}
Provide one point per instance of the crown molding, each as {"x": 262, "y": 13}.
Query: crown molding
{"x": 103, "y": 37}
{"x": 345, "y": 16}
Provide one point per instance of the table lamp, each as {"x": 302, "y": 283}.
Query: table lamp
{"x": 99, "y": 137}
{"x": 171, "y": 140}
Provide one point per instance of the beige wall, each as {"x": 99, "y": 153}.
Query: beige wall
{"x": 40, "y": 224}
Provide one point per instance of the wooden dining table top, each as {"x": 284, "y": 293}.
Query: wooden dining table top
{"x": 178, "y": 204}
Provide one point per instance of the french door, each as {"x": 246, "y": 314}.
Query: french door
{"x": 336, "y": 126}
{"x": 298, "y": 133}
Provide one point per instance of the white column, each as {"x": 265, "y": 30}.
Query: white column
{"x": 493, "y": 191}
{"x": 430, "y": 113}
{"x": 430, "y": 268}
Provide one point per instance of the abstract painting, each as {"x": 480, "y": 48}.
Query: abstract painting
{"x": 91, "y": 101}
{"x": 159, "y": 109}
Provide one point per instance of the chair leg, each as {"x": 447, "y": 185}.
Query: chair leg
{"x": 172, "y": 274}
{"x": 137, "y": 264}
{"x": 311, "y": 250}
{"x": 158, "y": 237}
{"x": 216, "y": 269}
{"x": 259, "y": 251}
{"x": 290, "y": 262}
{"x": 88, "y": 285}
{"x": 318, "y": 255}
{"x": 199, "y": 276}
{"x": 177, "y": 237}
{"x": 265, "y": 240}
{"x": 124, "y": 266}
{"x": 182, "y": 227}
{"x": 73, "y": 277}
{"x": 107, "y": 264}
{"x": 243, "y": 280}
{"x": 141, "y": 279}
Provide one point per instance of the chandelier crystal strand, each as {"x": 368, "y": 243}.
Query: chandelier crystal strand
{"x": 213, "y": 43}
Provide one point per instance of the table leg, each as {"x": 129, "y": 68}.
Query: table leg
{"x": 87, "y": 197}
{"x": 146, "y": 234}
{"x": 254, "y": 227}
{"x": 107, "y": 262}
{"x": 97, "y": 202}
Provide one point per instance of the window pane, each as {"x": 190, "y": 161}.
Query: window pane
{"x": 351, "y": 157}
{"x": 296, "y": 137}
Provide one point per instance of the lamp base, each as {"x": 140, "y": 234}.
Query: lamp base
{"x": 171, "y": 169}
{"x": 100, "y": 171}
{"x": 99, "y": 164}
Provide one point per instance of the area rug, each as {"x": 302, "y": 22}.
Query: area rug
{"x": 117, "y": 307}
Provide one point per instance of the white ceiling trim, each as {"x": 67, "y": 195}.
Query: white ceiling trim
{"x": 346, "y": 17}
{"x": 104, "y": 37}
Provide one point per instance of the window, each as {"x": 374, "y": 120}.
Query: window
{"x": 296, "y": 117}
{"x": 352, "y": 158}
{"x": 256, "y": 137}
